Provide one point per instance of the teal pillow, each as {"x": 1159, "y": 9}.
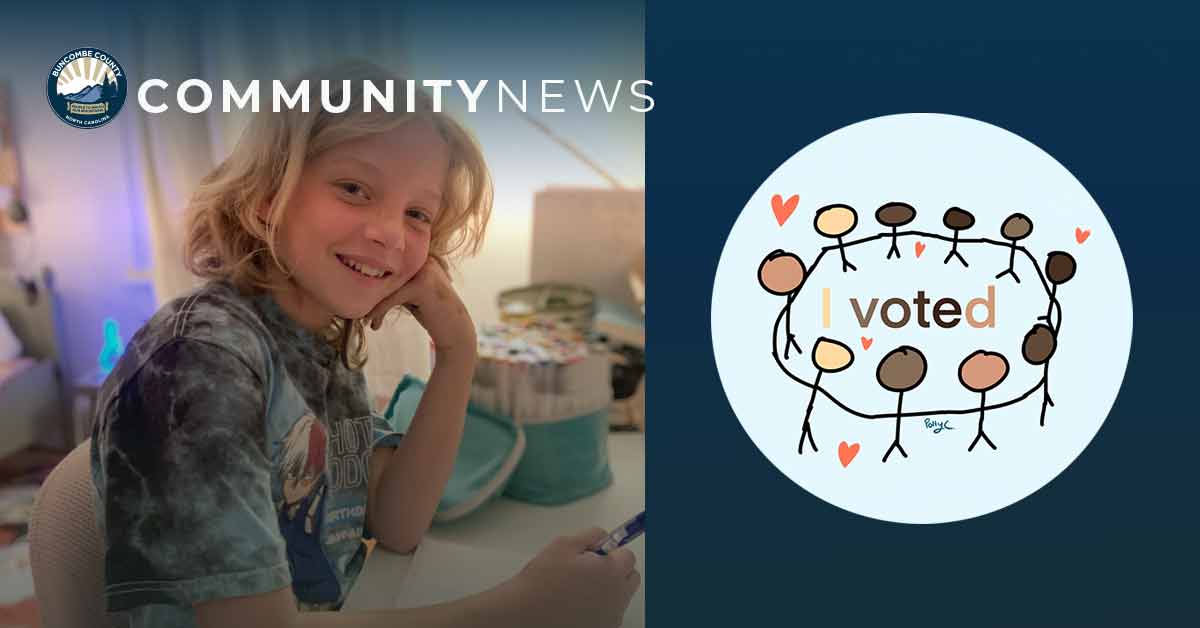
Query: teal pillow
{"x": 487, "y": 456}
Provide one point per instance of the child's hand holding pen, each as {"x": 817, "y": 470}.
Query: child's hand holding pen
{"x": 568, "y": 585}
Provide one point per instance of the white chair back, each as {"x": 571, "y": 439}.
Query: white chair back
{"x": 65, "y": 548}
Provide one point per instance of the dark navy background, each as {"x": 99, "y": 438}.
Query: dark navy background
{"x": 1112, "y": 540}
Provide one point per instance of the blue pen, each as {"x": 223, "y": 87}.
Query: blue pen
{"x": 624, "y": 533}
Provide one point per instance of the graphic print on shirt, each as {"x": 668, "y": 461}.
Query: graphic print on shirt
{"x": 302, "y": 510}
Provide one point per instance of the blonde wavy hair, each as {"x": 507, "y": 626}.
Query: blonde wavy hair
{"x": 226, "y": 239}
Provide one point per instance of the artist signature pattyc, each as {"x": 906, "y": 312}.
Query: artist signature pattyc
{"x": 938, "y": 426}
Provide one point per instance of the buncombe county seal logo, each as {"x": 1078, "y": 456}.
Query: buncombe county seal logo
{"x": 86, "y": 88}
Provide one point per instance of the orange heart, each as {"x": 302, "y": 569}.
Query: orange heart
{"x": 1081, "y": 234}
{"x": 846, "y": 453}
{"x": 920, "y": 247}
{"x": 867, "y": 342}
{"x": 783, "y": 210}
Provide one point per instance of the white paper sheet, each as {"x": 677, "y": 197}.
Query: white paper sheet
{"x": 442, "y": 571}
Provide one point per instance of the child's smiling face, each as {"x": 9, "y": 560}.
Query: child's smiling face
{"x": 370, "y": 203}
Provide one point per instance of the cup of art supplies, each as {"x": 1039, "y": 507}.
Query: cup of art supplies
{"x": 556, "y": 386}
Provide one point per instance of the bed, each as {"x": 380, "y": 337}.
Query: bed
{"x": 31, "y": 391}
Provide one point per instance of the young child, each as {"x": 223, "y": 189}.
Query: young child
{"x": 237, "y": 460}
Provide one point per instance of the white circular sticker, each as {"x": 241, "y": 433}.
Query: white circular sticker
{"x": 921, "y": 318}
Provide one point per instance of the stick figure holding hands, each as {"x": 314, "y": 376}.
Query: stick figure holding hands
{"x": 782, "y": 273}
{"x": 835, "y": 221}
{"x": 980, "y": 372}
{"x": 1016, "y": 227}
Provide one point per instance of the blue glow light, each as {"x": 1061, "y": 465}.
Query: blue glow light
{"x": 113, "y": 347}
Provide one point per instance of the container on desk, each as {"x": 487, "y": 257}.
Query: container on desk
{"x": 565, "y": 459}
{"x": 554, "y": 381}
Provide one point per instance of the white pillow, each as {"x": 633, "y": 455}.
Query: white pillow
{"x": 10, "y": 345}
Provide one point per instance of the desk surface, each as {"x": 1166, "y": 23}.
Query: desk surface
{"x": 509, "y": 525}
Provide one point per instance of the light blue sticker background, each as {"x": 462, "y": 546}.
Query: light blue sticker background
{"x": 932, "y": 162}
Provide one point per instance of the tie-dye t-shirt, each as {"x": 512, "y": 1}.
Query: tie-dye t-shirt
{"x": 230, "y": 453}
